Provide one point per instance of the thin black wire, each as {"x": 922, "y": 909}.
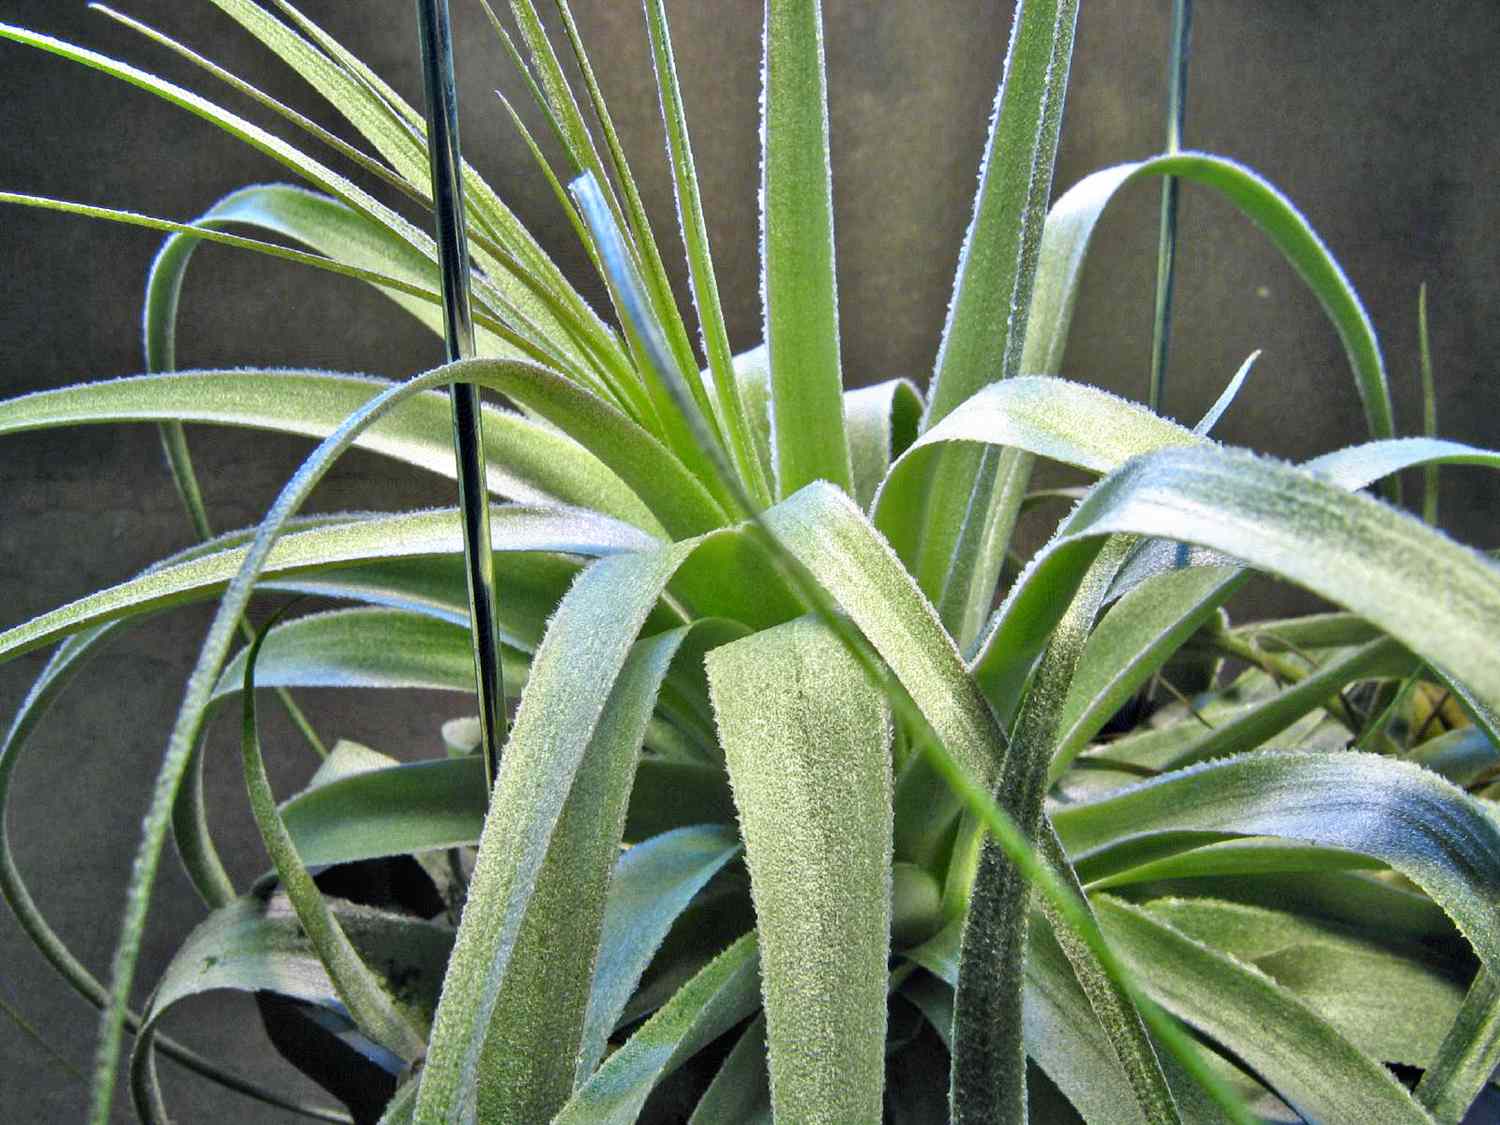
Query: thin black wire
{"x": 436, "y": 34}
{"x": 1166, "y": 249}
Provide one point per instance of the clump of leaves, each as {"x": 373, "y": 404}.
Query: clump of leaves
{"x": 791, "y": 820}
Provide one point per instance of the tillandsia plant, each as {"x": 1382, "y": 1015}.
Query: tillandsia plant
{"x": 811, "y": 808}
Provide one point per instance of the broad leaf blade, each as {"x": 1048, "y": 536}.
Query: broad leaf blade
{"x": 807, "y": 741}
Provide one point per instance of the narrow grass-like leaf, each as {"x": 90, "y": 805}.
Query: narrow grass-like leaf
{"x": 663, "y": 302}
{"x": 679, "y": 401}
{"x": 1391, "y": 999}
{"x": 989, "y": 1058}
{"x": 641, "y": 462}
{"x": 65, "y": 663}
{"x": 1469, "y": 1054}
{"x": 652, "y": 884}
{"x": 368, "y": 999}
{"x": 1262, "y": 723}
{"x": 732, "y": 419}
{"x": 1430, "y": 476}
{"x": 882, "y": 423}
{"x": 589, "y": 637}
{"x": 189, "y": 724}
{"x": 798, "y": 289}
{"x": 740, "y": 1093}
{"x": 1166, "y": 243}
{"x": 1070, "y": 226}
{"x": 422, "y": 535}
{"x": 317, "y": 221}
{"x": 403, "y": 143}
{"x": 816, "y": 817}
{"x": 965, "y": 525}
{"x": 1284, "y": 521}
{"x": 356, "y": 156}
{"x": 718, "y": 997}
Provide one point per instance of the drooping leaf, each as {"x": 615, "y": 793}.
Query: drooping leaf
{"x": 255, "y": 944}
{"x": 1307, "y": 1062}
{"x": 526, "y": 461}
{"x": 1071, "y": 224}
{"x": 1407, "y": 817}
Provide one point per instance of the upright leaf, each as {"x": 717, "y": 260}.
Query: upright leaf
{"x": 798, "y": 288}
{"x": 807, "y": 741}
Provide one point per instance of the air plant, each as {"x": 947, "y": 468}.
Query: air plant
{"x": 810, "y": 808}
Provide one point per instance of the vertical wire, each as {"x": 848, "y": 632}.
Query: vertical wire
{"x": 1166, "y": 249}
{"x": 436, "y": 35}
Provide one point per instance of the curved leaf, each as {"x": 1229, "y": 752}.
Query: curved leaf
{"x": 531, "y": 1058}
{"x": 375, "y": 539}
{"x": 1070, "y": 227}
{"x": 1309, "y": 1065}
{"x": 590, "y": 636}
{"x": 256, "y": 944}
{"x": 1443, "y": 601}
{"x": 1411, "y": 819}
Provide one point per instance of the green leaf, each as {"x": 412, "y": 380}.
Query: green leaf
{"x": 1136, "y": 636}
{"x": 1469, "y": 1054}
{"x": 391, "y": 538}
{"x": 1392, "y": 1000}
{"x": 882, "y": 423}
{"x": 425, "y": 806}
{"x": 1070, "y": 227}
{"x": 256, "y": 944}
{"x": 589, "y": 640}
{"x": 1067, "y": 422}
{"x": 366, "y": 648}
{"x": 989, "y": 1059}
{"x": 1258, "y": 725}
{"x": 402, "y": 141}
{"x": 798, "y": 289}
{"x": 186, "y": 730}
{"x": 653, "y": 884}
{"x": 732, "y": 418}
{"x": 531, "y": 1059}
{"x": 740, "y": 1093}
{"x": 721, "y": 995}
{"x": 987, "y": 315}
{"x": 1442, "y": 603}
{"x": 318, "y": 222}
{"x": 1315, "y": 1070}
{"x": 368, "y": 999}
{"x": 527, "y": 461}
{"x": 807, "y": 741}
{"x": 1447, "y": 843}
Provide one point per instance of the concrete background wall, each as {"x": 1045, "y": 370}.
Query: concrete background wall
{"x": 1376, "y": 118}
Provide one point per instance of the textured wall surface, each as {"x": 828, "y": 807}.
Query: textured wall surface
{"x": 1376, "y": 118}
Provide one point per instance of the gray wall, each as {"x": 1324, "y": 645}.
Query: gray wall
{"x": 1377, "y": 118}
